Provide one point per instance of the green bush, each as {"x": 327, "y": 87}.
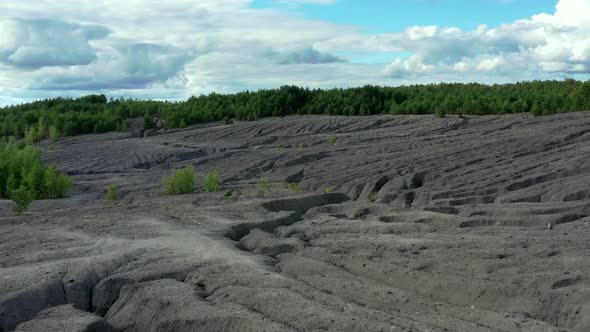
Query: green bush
{"x": 21, "y": 166}
{"x": 263, "y": 185}
{"x": 181, "y": 181}
{"x": 440, "y": 112}
{"x": 227, "y": 121}
{"x": 294, "y": 186}
{"x": 112, "y": 196}
{"x": 373, "y": 197}
{"x": 212, "y": 183}
{"x": 54, "y": 132}
{"x": 31, "y": 135}
{"x": 22, "y": 198}
{"x": 148, "y": 122}
{"x": 55, "y": 184}
{"x": 280, "y": 148}
{"x": 332, "y": 139}
{"x": 228, "y": 193}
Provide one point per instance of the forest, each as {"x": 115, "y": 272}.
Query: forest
{"x": 58, "y": 117}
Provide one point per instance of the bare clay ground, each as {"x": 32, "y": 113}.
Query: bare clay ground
{"x": 405, "y": 224}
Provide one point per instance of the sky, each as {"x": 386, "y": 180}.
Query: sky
{"x": 178, "y": 48}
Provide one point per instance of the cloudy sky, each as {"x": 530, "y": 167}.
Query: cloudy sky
{"x": 177, "y": 48}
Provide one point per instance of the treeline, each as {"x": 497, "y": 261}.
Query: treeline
{"x": 23, "y": 173}
{"x": 97, "y": 114}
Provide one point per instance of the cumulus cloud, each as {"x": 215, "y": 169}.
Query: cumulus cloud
{"x": 36, "y": 43}
{"x": 177, "y": 48}
{"x": 128, "y": 66}
{"x": 545, "y": 43}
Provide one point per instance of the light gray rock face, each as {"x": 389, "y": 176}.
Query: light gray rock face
{"x": 410, "y": 223}
{"x": 65, "y": 318}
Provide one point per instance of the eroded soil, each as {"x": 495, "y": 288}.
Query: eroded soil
{"x": 405, "y": 224}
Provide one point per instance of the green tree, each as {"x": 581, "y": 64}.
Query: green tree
{"x": 54, "y": 132}
{"x": 148, "y": 122}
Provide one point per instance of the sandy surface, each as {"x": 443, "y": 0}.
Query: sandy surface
{"x": 405, "y": 224}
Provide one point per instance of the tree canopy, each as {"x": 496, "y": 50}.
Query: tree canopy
{"x": 96, "y": 114}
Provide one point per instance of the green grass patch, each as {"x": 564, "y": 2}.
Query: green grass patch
{"x": 263, "y": 185}
{"x": 294, "y": 186}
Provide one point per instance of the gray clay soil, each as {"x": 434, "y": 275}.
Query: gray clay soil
{"x": 410, "y": 223}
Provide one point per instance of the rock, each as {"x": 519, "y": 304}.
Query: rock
{"x": 65, "y": 318}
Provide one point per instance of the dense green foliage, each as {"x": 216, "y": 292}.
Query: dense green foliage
{"x": 212, "y": 183}
{"x": 96, "y": 114}
{"x": 21, "y": 169}
{"x": 181, "y": 181}
{"x": 22, "y": 198}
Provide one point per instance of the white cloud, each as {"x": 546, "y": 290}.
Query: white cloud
{"x": 36, "y": 43}
{"x": 177, "y": 48}
{"x": 557, "y": 43}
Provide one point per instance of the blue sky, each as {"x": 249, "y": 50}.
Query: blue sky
{"x": 381, "y": 16}
{"x": 177, "y": 48}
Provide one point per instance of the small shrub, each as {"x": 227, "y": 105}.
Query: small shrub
{"x": 21, "y": 166}
{"x": 52, "y": 147}
{"x": 280, "y": 148}
{"x": 227, "y": 121}
{"x": 55, "y": 184}
{"x": 181, "y": 181}
{"x": 440, "y": 112}
{"x": 212, "y": 183}
{"x": 332, "y": 139}
{"x": 328, "y": 190}
{"x": 112, "y": 196}
{"x": 122, "y": 126}
{"x": 294, "y": 186}
{"x": 228, "y": 193}
{"x": 31, "y": 135}
{"x": 54, "y": 132}
{"x": 373, "y": 197}
{"x": 22, "y": 198}
{"x": 263, "y": 185}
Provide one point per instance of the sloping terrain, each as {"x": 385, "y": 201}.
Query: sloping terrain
{"x": 406, "y": 223}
